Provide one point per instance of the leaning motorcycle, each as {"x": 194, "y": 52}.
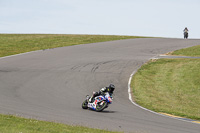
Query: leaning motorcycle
{"x": 99, "y": 104}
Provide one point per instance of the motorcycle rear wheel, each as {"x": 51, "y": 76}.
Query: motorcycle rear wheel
{"x": 100, "y": 108}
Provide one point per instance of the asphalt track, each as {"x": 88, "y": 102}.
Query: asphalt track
{"x": 52, "y": 84}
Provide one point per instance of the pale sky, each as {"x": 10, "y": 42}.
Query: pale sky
{"x": 157, "y": 18}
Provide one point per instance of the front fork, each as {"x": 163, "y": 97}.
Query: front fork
{"x": 88, "y": 97}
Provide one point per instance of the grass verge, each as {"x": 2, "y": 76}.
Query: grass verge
{"x": 19, "y": 43}
{"x": 169, "y": 86}
{"x": 191, "y": 51}
{"x": 12, "y": 124}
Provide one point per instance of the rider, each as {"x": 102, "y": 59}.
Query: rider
{"x": 102, "y": 91}
{"x": 185, "y": 32}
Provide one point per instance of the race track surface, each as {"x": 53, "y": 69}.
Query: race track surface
{"x": 52, "y": 84}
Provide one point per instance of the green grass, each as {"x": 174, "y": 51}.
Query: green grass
{"x": 169, "y": 86}
{"x": 19, "y": 43}
{"x": 13, "y": 124}
{"x": 191, "y": 51}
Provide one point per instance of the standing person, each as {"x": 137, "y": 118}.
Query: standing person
{"x": 185, "y": 33}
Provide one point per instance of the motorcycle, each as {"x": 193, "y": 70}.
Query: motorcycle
{"x": 185, "y": 35}
{"x": 99, "y": 103}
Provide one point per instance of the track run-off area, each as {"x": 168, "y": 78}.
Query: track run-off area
{"x": 52, "y": 84}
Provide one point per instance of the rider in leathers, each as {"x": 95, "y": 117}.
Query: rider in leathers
{"x": 108, "y": 89}
{"x": 185, "y": 32}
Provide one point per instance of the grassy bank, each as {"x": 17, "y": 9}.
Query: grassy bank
{"x": 19, "y": 43}
{"x": 12, "y": 124}
{"x": 170, "y": 86}
{"x": 191, "y": 51}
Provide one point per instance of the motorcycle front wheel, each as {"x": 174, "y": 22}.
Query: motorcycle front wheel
{"x": 100, "y": 107}
{"x": 85, "y": 104}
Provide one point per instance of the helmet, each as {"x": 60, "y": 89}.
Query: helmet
{"x": 111, "y": 88}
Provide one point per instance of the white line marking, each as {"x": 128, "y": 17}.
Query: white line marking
{"x": 20, "y": 54}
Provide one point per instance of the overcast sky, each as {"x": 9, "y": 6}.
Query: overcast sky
{"x": 158, "y": 18}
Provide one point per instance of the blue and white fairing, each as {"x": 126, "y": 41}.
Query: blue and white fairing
{"x": 100, "y": 100}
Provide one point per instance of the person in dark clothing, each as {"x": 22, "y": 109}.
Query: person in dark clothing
{"x": 185, "y": 32}
{"x": 103, "y": 90}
